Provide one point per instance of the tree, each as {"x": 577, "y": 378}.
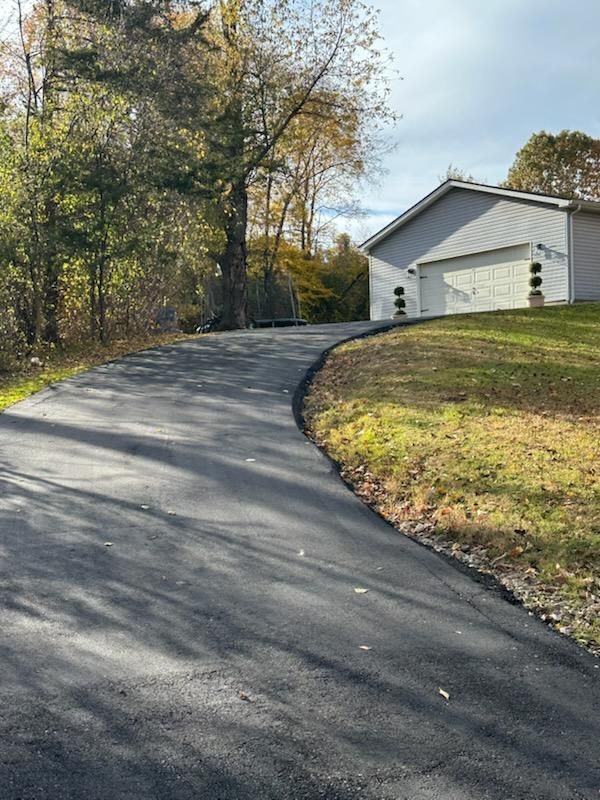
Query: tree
{"x": 457, "y": 174}
{"x": 242, "y": 74}
{"x": 329, "y": 285}
{"x": 38, "y": 88}
{"x": 565, "y": 164}
{"x": 95, "y": 231}
{"x": 282, "y": 60}
{"x": 307, "y": 185}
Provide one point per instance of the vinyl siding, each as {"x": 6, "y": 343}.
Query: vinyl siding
{"x": 463, "y": 222}
{"x": 586, "y": 256}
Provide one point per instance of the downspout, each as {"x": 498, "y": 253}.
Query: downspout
{"x": 571, "y": 254}
{"x": 370, "y": 286}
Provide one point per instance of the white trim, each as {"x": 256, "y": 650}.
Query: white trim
{"x": 477, "y": 252}
{"x": 560, "y": 202}
{"x": 418, "y": 292}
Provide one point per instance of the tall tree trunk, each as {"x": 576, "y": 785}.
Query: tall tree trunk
{"x": 93, "y": 307}
{"x": 233, "y": 262}
{"x": 51, "y": 278}
{"x": 51, "y": 300}
{"x": 102, "y": 327}
{"x": 36, "y": 315}
{"x": 268, "y": 288}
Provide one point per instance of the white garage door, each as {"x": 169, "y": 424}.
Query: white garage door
{"x": 479, "y": 282}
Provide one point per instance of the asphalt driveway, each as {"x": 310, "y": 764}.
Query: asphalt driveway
{"x": 179, "y": 620}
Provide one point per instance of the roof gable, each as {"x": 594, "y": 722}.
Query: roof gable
{"x": 433, "y": 197}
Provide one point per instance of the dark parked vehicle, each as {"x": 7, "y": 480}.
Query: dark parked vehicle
{"x": 283, "y": 322}
{"x": 213, "y": 323}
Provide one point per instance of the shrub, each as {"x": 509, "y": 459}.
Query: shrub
{"x": 535, "y": 280}
{"x": 399, "y": 302}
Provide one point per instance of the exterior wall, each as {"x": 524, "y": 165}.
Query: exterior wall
{"x": 586, "y": 256}
{"x": 462, "y": 222}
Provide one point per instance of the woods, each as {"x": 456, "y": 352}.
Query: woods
{"x": 189, "y": 154}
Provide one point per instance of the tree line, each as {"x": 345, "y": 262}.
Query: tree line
{"x": 160, "y": 152}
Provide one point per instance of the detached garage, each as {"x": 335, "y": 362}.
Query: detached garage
{"x": 467, "y": 247}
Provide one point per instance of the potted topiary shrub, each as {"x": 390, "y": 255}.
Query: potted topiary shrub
{"x": 399, "y": 302}
{"x": 536, "y": 297}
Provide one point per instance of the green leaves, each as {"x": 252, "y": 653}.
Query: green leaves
{"x": 566, "y": 164}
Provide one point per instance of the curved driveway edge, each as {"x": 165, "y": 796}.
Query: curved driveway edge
{"x": 178, "y": 614}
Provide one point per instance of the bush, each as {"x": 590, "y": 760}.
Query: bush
{"x": 535, "y": 280}
{"x": 399, "y": 302}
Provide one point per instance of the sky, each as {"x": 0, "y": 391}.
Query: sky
{"x": 478, "y": 78}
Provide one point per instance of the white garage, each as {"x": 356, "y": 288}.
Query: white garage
{"x": 467, "y": 248}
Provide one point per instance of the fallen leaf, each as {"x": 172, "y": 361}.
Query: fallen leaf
{"x": 360, "y": 590}
{"x": 444, "y": 694}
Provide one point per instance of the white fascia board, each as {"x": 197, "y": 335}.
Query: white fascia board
{"x": 585, "y": 205}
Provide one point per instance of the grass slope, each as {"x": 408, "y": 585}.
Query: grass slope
{"x": 486, "y": 428}
{"x": 57, "y": 366}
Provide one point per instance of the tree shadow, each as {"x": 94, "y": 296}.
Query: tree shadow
{"x": 179, "y": 622}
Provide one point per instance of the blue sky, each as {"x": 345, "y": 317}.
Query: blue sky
{"x": 479, "y": 77}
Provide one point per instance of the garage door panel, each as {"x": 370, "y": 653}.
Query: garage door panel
{"x": 463, "y": 280}
{"x": 501, "y": 291}
{"x": 477, "y": 282}
{"x": 503, "y": 273}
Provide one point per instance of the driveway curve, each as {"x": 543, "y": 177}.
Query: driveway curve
{"x": 179, "y": 620}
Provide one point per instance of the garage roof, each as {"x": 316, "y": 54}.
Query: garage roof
{"x": 547, "y": 199}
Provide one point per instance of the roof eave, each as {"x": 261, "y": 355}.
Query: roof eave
{"x": 585, "y": 205}
{"x": 443, "y": 189}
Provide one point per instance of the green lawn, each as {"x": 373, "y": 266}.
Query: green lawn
{"x": 20, "y": 384}
{"x": 488, "y": 427}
